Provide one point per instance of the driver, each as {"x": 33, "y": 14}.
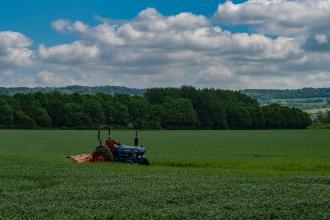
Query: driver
{"x": 111, "y": 143}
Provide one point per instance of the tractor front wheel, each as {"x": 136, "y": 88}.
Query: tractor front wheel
{"x": 145, "y": 162}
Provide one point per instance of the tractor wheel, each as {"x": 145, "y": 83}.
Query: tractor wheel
{"x": 145, "y": 162}
{"x": 102, "y": 154}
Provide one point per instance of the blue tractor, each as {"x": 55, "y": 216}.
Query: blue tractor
{"x": 121, "y": 153}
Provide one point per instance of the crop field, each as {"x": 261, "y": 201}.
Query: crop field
{"x": 282, "y": 174}
{"x": 308, "y": 104}
{"x": 315, "y": 111}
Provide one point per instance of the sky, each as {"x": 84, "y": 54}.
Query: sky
{"x": 241, "y": 44}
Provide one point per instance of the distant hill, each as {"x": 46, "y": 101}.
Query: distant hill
{"x": 75, "y": 88}
{"x": 269, "y": 94}
{"x": 316, "y": 99}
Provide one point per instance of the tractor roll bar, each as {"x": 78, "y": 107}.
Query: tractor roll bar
{"x": 99, "y": 131}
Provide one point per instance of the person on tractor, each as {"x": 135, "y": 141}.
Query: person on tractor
{"x": 111, "y": 143}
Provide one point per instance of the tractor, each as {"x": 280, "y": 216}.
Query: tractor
{"x": 121, "y": 153}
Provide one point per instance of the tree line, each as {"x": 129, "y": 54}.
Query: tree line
{"x": 159, "y": 108}
{"x": 74, "y": 89}
{"x": 269, "y": 94}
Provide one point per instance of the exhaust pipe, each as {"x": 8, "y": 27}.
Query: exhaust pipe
{"x": 136, "y": 140}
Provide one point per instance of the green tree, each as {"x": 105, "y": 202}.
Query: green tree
{"x": 57, "y": 112}
{"x": 6, "y": 113}
{"x": 211, "y": 112}
{"x": 178, "y": 114}
{"x": 116, "y": 113}
{"x": 158, "y": 95}
{"x": 257, "y": 117}
{"x": 76, "y": 98}
{"x": 156, "y": 115}
{"x": 41, "y": 98}
{"x": 75, "y": 116}
{"x": 304, "y": 119}
{"x": 278, "y": 116}
{"x": 122, "y": 98}
{"x": 41, "y": 117}
{"x": 33, "y": 109}
{"x": 109, "y": 111}
{"x": 326, "y": 118}
{"x": 22, "y": 120}
{"x": 94, "y": 110}
{"x": 180, "y": 108}
{"x": 121, "y": 116}
{"x": 239, "y": 117}
{"x": 274, "y": 117}
{"x": 139, "y": 112}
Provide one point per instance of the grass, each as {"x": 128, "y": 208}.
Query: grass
{"x": 281, "y": 174}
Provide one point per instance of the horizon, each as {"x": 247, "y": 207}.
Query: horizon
{"x": 231, "y": 45}
{"x": 58, "y": 87}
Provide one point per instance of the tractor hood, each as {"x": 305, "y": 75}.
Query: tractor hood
{"x": 130, "y": 149}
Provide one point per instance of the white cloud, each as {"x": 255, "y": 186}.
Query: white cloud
{"x": 17, "y": 77}
{"x": 152, "y": 33}
{"x": 151, "y": 46}
{"x": 214, "y": 75}
{"x": 60, "y": 25}
{"x": 157, "y": 50}
{"x": 12, "y": 39}
{"x": 14, "y": 50}
{"x": 52, "y": 79}
{"x": 321, "y": 38}
{"x": 69, "y": 54}
{"x": 276, "y": 16}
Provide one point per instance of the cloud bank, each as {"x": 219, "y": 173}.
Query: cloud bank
{"x": 288, "y": 47}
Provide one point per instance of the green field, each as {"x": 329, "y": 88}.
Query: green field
{"x": 315, "y": 111}
{"x": 194, "y": 175}
{"x": 308, "y": 104}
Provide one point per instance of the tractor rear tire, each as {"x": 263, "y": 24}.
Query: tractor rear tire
{"x": 102, "y": 154}
{"x": 145, "y": 162}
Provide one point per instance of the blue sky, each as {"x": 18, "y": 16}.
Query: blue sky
{"x": 144, "y": 43}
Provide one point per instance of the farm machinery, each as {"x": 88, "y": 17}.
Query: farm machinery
{"x": 119, "y": 153}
